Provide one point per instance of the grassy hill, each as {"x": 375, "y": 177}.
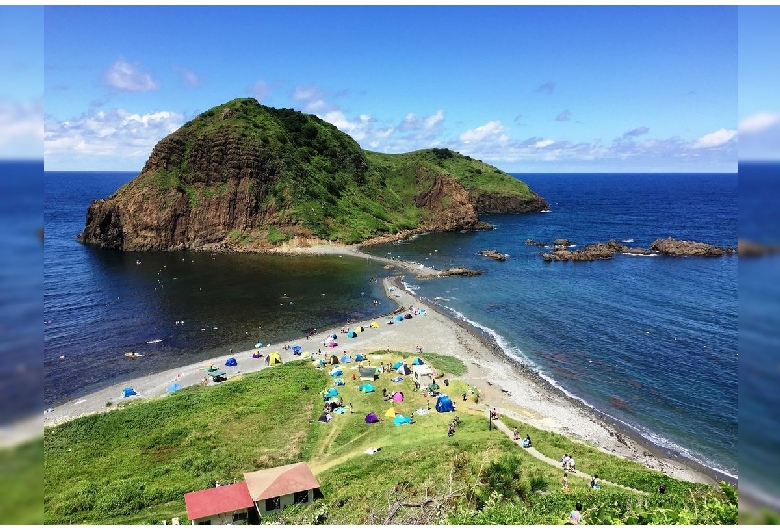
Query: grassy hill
{"x": 247, "y": 175}
{"x": 133, "y": 465}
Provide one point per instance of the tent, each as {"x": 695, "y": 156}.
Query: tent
{"x": 336, "y": 372}
{"x": 398, "y": 397}
{"x": 339, "y": 382}
{"x": 334, "y": 359}
{"x": 274, "y": 358}
{"x": 333, "y": 336}
{"x": 418, "y": 362}
{"x": 325, "y": 417}
{"x": 231, "y": 362}
{"x": 367, "y": 374}
{"x": 360, "y": 357}
{"x": 346, "y": 358}
{"x": 332, "y": 344}
{"x": 331, "y": 392}
{"x": 174, "y": 387}
{"x": 318, "y": 362}
{"x": 397, "y": 365}
{"x": 399, "y": 318}
{"x": 404, "y": 369}
{"x": 296, "y": 350}
{"x": 401, "y": 420}
{"x": 360, "y": 329}
{"x": 407, "y": 316}
{"x": 351, "y": 334}
{"x": 374, "y": 324}
{"x": 368, "y": 387}
{"x": 128, "y": 391}
{"x": 444, "y": 404}
{"x": 390, "y": 413}
{"x": 371, "y": 418}
{"x": 306, "y": 355}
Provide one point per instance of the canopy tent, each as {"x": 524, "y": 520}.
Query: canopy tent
{"x": 336, "y": 372}
{"x": 296, "y": 350}
{"x": 371, "y": 418}
{"x": 398, "y": 397}
{"x": 128, "y": 391}
{"x": 339, "y": 382}
{"x": 360, "y": 357}
{"x": 174, "y": 387}
{"x": 331, "y": 392}
{"x": 334, "y": 359}
{"x": 404, "y": 369}
{"x": 444, "y": 404}
{"x": 231, "y": 362}
{"x": 423, "y": 374}
{"x": 399, "y": 318}
{"x": 374, "y": 324}
{"x": 407, "y": 316}
{"x": 346, "y": 358}
{"x": 401, "y": 420}
{"x": 367, "y": 374}
{"x": 368, "y": 387}
{"x": 351, "y": 334}
{"x": 397, "y": 365}
{"x": 390, "y": 413}
{"x": 417, "y": 362}
{"x": 274, "y": 358}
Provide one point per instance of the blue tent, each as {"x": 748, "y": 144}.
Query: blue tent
{"x": 400, "y": 419}
{"x": 444, "y": 404}
{"x": 366, "y": 388}
{"x": 296, "y": 350}
{"x": 397, "y": 365}
{"x": 128, "y": 391}
{"x": 336, "y": 372}
{"x": 231, "y": 362}
{"x": 351, "y": 334}
{"x": 331, "y": 392}
{"x": 399, "y": 318}
{"x": 360, "y": 357}
{"x": 339, "y": 382}
{"x": 418, "y": 361}
{"x": 346, "y": 358}
{"x": 174, "y": 387}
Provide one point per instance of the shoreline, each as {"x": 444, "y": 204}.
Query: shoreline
{"x": 515, "y": 390}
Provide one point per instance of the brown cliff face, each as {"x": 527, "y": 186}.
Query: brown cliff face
{"x": 494, "y": 203}
{"x": 448, "y": 203}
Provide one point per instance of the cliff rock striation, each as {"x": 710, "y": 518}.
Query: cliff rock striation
{"x": 246, "y": 177}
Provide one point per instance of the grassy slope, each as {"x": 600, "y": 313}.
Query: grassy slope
{"x": 20, "y": 483}
{"x": 322, "y": 178}
{"x": 134, "y": 465}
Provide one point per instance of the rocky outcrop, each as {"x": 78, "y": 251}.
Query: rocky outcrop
{"x": 493, "y": 254}
{"x": 750, "y": 249}
{"x": 667, "y": 247}
{"x": 495, "y": 203}
{"x": 448, "y": 204}
{"x": 534, "y": 243}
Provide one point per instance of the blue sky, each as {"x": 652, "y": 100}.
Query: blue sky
{"x": 617, "y": 88}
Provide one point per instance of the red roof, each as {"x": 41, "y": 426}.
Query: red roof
{"x": 212, "y": 501}
{"x": 278, "y": 481}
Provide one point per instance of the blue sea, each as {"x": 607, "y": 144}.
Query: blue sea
{"x": 650, "y": 341}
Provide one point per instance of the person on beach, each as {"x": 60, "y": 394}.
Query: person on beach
{"x": 565, "y": 482}
{"x": 576, "y": 516}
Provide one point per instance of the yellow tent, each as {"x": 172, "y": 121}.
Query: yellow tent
{"x": 274, "y": 358}
{"x": 306, "y": 355}
{"x": 374, "y": 325}
{"x": 359, "y": 329}
{"x": 390, "y": 413}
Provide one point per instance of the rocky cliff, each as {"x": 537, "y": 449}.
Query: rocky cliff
{"x": 246, "y": 177}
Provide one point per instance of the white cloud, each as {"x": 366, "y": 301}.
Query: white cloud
{"x": 124, "y": 76}
{"x": 544, "y": 143}
{"x": 260, "y": 90}
{"x": 493, "y": 130}
{"x": 715, "y": 139}
{"x": 21, "y": 129}
{"x": 106, "y": 137}
{"x": 413, "y": 122}
{"x": 758, "y": 122}
{"x": 305, "y": 93}
{"x": 189, "y": 77}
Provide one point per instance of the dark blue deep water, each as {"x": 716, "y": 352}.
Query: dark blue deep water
{"x": 649, "y": 341}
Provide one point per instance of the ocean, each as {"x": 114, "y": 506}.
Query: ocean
{"x": 649, "y": 341}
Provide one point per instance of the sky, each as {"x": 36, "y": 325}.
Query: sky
{"x": 528, "y": 89}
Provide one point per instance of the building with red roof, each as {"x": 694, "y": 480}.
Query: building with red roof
{"x": 220, "y": 505}
{"x": 279, "y": 487}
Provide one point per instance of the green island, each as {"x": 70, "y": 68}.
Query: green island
{"x": 133, "y": 464}
{"x": 246, "y": 177}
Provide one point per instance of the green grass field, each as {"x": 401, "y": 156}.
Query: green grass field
{"x": 133, "y": 465}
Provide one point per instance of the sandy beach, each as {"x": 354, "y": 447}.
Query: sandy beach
{"x": 515, "y": 392}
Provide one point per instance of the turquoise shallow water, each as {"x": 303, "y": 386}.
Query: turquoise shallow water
{"x": 649, "y": 341}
